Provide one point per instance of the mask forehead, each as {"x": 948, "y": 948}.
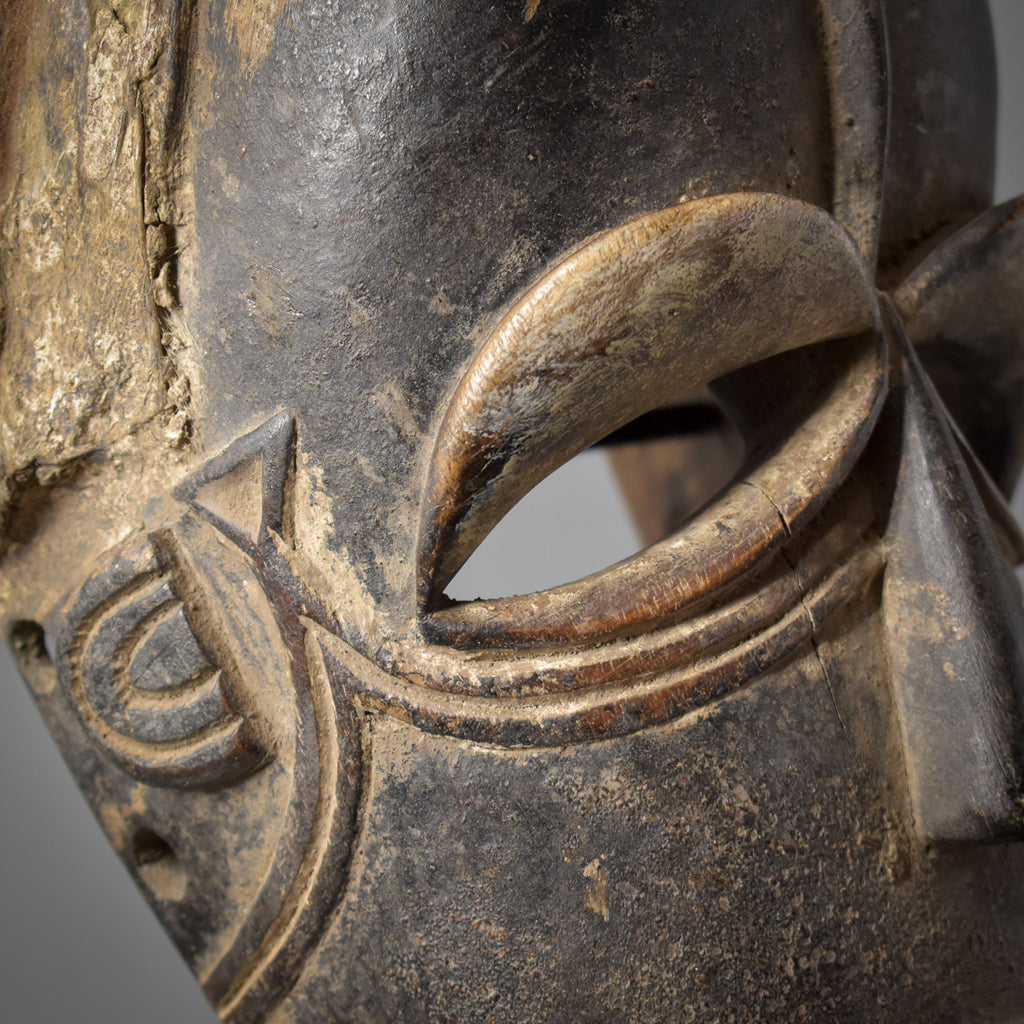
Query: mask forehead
{"x": 378, "y": 186}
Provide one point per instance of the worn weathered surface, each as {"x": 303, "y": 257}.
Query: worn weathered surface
{"x": 299, "y": 299}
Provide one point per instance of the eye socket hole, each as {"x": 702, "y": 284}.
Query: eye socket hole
{"x": 604, "y": 506}
{"x": 572, "y": 523}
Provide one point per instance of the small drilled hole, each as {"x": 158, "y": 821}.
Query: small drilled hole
{"x": 149, "y": 848}
{"x": 158, "y": 865}
{"x": 31, "y": 644}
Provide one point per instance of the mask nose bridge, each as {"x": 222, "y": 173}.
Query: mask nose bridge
{"x": 955, "y": 630}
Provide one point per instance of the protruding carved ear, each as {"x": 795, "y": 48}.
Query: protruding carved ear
{"x": 628, "y": 323}
{"x": 964, "y": 312}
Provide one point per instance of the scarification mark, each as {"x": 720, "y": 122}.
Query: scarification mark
{"x": 188, "y": 736}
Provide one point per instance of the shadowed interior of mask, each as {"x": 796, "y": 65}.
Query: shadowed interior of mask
{"x": 631, "y": 489}
{"x": 792, "y": 427}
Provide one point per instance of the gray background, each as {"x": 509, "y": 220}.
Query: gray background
{"x": 77, "y": 943}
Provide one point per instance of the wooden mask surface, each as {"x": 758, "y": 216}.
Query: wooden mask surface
{"x": 300, "y": 299}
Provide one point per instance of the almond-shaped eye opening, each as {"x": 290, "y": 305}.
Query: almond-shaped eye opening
{"x": 629, "y": 323}
{"x": 633, "y": 488}
{"x": 806, "y": 416}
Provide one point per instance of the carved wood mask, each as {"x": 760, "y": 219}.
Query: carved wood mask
{"x": 299, "y": 299}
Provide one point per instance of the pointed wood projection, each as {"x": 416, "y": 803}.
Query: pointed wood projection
{"x": 242, "y": 490}
{"x": 959, "y": 681}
